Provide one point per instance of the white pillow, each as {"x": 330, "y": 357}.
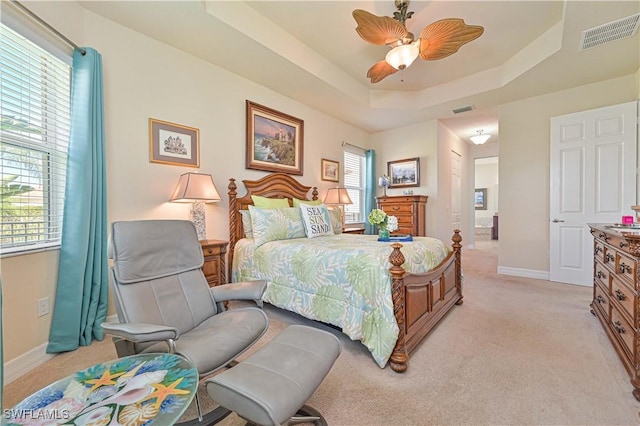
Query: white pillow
{"x": 317, "y": 221}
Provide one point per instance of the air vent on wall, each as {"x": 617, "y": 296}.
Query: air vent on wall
{"x": 616, "y": 30}
{"x": 463, "y": 109}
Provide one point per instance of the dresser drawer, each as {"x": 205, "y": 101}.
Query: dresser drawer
{"x": 598, "y": 250}
{"x": 395, "y": 209}
{"x": 626, "y": 334}
{"x": 601, "y": 300}
{"x": 626, "y": 266}
{"x": 601, "y": 273}
{"x": 625, "y": 298}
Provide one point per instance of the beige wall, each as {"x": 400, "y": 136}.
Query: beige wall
{"x": 524, "y": 166}
{"x": 143, "y": 79}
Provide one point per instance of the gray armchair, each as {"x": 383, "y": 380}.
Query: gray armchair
{"x": 164, "y": 303}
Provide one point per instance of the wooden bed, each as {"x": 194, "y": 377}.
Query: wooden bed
{"x": 419, "y": 300}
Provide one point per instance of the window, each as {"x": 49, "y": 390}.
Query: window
{"x": 354, "y": 182}
{"x": 34, "y": 137}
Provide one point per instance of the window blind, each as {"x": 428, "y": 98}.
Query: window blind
{"x": 34, "y": 138}
{"x": 354, "y": 174}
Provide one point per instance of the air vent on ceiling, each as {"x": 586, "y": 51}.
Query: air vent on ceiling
{"x": 616, "y": 30}
{"x": 463, "y": 109}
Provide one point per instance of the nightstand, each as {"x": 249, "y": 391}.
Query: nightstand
{"x": 353, "y": 230}
{"x": 214, "y": 261}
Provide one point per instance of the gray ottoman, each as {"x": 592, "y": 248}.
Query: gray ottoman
{"x": 273, "y": 384}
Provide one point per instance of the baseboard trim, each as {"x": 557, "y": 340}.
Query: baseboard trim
{"x": 526, "y": 273}
{"x": 37, "y": 356}
{"x": 26, "y": 362}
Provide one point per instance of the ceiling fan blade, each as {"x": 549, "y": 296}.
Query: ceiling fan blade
{"x": 379, "y": 30}
{"x": 380, "y": 70}
{"x": 445, "y": 37}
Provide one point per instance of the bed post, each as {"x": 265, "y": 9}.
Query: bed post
{"x": 232, "y": 224}
{"x": 399, "y": 357}
{"x": 457, "y": 247}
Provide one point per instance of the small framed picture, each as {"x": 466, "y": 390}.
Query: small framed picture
{"x": 330, "y": 170}
{"x": 404, "y": 173}
{"x": 480, "y": 199}
{"x": 171, "y": 143}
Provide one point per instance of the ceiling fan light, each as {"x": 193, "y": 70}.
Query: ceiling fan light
{"x": 401, "y": 57}
{"x": 480, "y": 138}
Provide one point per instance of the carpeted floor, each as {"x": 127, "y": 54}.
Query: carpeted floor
{"x": 517, "y": 352}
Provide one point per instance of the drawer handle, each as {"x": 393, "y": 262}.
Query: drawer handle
{"x": 601, "y": 274}
{"x": 597, "y": 250}
{"x": 624, "y": 268}
{"x": 395, "y": 208}
{"x": 623, "y": 244}
{"x": 600, "y": 299}
{"x": 618, "y": 327}
{"x": 602, "y": 235}
{"x": 609, "y": 257}
{"x": 620, "y": 295}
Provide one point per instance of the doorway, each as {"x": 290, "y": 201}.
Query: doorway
{"x": 486, "y": 194}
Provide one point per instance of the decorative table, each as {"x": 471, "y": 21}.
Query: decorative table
{"x": 140, "y": 389}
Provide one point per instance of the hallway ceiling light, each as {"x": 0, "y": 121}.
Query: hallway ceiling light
{"x": 480, "y": 138}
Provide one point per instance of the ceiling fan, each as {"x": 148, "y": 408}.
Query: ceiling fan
{"x": 437, "y": 40}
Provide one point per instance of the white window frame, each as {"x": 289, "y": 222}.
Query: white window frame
{"x": 354, "y": 213}
{"x": 48, "y": 110}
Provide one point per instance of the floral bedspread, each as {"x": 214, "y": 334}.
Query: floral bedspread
{"x": 342, "y": 280}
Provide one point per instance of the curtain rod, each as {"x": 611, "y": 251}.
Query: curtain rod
{"x": 48, "y": 27}
{"x": 350, "y": 144}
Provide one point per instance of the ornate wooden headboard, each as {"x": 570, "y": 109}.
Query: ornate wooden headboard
{"x": 275, "y": 185}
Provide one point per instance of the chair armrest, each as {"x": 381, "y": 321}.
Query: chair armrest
{"x": 139, "y": 332}
{"x": 245, "y": 290}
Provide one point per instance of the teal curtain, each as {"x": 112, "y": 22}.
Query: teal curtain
{"x": 82, "y": 288}
{"x": 369, "y": 189}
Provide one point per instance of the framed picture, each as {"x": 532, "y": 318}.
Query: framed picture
{"x": 330, "y": 170}
{"x": 274, "y": 140}
{"x": 480, "y": 199}
{"x": 403, "y": 173}
{"x": 171, "y": 143}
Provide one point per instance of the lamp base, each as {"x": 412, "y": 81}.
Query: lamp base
{"x": 197, "y": 216}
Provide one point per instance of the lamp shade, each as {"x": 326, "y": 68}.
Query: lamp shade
{"x": 400, "y": 57}
{"x": 480, "y": 138}
{"x": 337, "y": 196}
{"x": 195, "y": 187}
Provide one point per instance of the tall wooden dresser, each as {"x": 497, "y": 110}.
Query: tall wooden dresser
{"x": 615, "y": 293}
{"x": 410, "y": 211}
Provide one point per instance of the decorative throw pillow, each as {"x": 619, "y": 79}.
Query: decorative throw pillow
{"x": 269, "y": 203}
{"x": 246, "y": 223}
{"x": 316, "y": 220}
{"x": 275, "y": 224}
{"x": 335, "y": 214}
{"x": 296, "y": 202}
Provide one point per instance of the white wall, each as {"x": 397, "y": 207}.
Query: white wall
{"x": 524, "y": 167}
{"x": 144, "y": 78}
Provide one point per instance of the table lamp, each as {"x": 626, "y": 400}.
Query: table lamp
{"x": 196, "y": 188}
{"x": 338, "y": 197}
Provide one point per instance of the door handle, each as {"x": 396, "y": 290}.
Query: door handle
{"x": 557, "y": 220}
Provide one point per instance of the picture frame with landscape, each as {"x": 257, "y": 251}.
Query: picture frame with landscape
{"x": 174, "y": 144}
{"x": 275, "y": 140}
{"x": 330, "y": 170}
{"x": 404, "y": 173}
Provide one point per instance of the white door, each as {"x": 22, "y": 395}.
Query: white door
{"x": 456, "y": 190}
{"x": 593, "y": 180}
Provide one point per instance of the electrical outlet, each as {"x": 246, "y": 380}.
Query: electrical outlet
{"x": 43, "y": 306}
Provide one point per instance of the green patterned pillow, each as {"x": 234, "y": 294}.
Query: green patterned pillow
{"x": 335, "y": 213}
{"x": 316, "y": 220}
{"x": 246, "y": 223}
{"x": 296, "y": 202}
{"x": 269, "y": 203}
{"x": 275, "y": 224}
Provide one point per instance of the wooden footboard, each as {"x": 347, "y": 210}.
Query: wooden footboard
{"x": 421, "y": 300}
